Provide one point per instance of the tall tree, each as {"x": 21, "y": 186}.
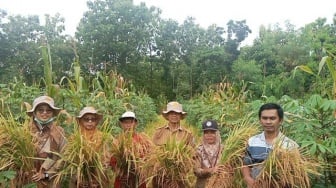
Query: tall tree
{"x": 114, "y": 33}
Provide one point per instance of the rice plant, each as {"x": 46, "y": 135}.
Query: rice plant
{"x": 128, "y": 154}
{"x": 287, "y": 168}
{"x": 83, "y": 161}
{"x": 171, "y": 161}
{"x": 232, "y": 153}
{"x": 16, "y": 149}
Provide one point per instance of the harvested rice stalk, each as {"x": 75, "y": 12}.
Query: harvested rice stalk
{"x": 170, "y": 163}
{"x": 128, "y": 151}
{"x": 83, "y": 160}
{"x": 123, "y": 153}
{"x": 287, "y": 168}
{"x": 231, "y": 157}
{"x": 17, "y": 150}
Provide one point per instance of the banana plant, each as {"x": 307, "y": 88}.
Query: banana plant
{"x": 330, "y": 62}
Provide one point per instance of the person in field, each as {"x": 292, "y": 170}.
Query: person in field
{"x": 172, "y": 131}
{"x": 208, "y": 153}
{"x": 259, "y": 146}
{"x": 49, "y": 139}
{"x": 88, "y": 121}
{"x": 140, "y": 144}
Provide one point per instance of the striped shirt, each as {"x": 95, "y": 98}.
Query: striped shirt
{"x": 258, "y": 149}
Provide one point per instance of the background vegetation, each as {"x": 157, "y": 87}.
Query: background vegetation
{"x": 125, "y": 56}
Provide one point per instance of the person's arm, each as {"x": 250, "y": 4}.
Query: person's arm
{"x": 198, "y": 170}
{"x": 246, "y": 171}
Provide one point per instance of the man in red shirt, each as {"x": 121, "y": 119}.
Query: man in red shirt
{"x": 138, "y": 144}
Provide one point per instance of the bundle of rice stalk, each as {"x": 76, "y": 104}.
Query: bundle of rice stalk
{"x": 126, "y": 153}
{"x": 231, "y": 158}
{"x": 287, "y": 168}
{"x": 16, "y": 148}
{"x": 171, "y": 162}
{"x": 82, "y": 160}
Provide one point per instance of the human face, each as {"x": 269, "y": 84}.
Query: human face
{"x": 270, "y": 121}
{"x": 89, "y": 121}
{"x": 128, "y": 124}
{"x": 174, "y": 117}
{"x": 209, "y": 136}
{"x": 44, "y": 112}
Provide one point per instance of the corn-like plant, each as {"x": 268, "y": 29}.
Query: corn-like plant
{"x": 172, "y": 161}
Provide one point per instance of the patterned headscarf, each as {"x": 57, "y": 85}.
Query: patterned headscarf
{"x": 210, "y": 153}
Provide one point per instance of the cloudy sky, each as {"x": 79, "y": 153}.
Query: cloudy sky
{"x": 206, "y": 12}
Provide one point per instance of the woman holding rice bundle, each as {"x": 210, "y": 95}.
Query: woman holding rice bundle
{"x": 208, "y": 154}
{"x": 92, "y": 141}
{"x": 49, "y": 139}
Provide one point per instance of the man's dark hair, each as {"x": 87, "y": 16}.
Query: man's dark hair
{"x": 271, "y": 106}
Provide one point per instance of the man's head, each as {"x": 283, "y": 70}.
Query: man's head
{"x": 174, "y": 112}
{"x": 271, "y": 117}
{"x": 128, "y": 121}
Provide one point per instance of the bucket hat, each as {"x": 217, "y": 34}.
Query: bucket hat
{"x": 89, "y": 110}
{"x": 44, "y": 100}
{"x": 174, "y": 107}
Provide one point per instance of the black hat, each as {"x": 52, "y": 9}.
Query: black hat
{"x": 210, "y": 125}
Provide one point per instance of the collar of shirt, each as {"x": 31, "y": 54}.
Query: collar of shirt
{"x": 179, "y": 128}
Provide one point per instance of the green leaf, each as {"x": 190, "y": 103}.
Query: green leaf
{"x": 305, "y": 69}
{"x": 322, "y": 148}
{"x": 313, "y": 149}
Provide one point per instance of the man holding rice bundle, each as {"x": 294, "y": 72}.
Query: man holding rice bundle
{"x": 259, "y": 146}
{"x": 173, "y": 114}
{"x": 139, "y": 145}
{"x": 173, "y": 134}
{"x": 49, "y": 139}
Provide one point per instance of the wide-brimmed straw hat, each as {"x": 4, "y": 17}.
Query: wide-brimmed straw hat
{"x": 44, "y": 100}
{"x": 174, "y": 107}
{"x": 89, "y": 110}
{"x": 128, "y": 114}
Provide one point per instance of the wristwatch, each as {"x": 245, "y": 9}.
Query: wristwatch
{"x": 46, "y": 175}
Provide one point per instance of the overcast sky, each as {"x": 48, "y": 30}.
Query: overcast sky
{"x": 206, "y": 12}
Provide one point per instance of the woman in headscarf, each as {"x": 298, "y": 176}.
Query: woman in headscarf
{"x": 207, "y": 153}
{"x": 48, "y": 138}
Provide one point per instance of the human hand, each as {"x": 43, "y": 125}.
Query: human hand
{"x": 250, "y": 182}
{"x": 38, "y": 176}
